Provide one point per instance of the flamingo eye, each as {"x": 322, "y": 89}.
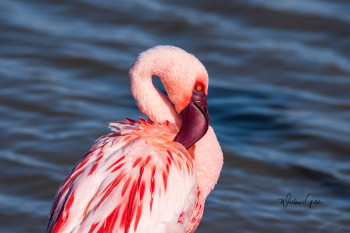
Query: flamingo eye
{"x": 198, "y": 87}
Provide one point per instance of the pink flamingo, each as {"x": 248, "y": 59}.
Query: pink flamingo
{"x": 147, "y": 176}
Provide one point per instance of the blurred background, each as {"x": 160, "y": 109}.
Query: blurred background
{"x": 279, "y": 101}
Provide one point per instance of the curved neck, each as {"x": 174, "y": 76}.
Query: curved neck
{"x": 151, "y": 102}
{"x": 208, "y": 160}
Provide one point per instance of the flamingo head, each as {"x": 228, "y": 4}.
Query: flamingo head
{"x": 185, "y": 80}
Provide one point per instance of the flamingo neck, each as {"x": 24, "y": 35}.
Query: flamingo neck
{"x": 151, "y": 102}
{"x": 208, "y": 160}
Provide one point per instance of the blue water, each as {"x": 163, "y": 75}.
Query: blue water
{"x": 279, "y": 101}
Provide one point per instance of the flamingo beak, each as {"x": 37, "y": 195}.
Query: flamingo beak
{"x": 195, "y": 120}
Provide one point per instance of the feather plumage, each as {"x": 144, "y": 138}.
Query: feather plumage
{"x": 131, "y": 180}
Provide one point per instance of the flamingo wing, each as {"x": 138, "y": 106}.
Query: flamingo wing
{"x": 133, "y": 180}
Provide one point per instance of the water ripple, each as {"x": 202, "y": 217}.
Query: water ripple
{"x": 278, "y": 101}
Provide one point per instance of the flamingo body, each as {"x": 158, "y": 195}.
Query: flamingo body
{"x": 138, "y": 179}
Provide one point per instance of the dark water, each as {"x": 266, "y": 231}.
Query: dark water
{"x": 279, "y": 101}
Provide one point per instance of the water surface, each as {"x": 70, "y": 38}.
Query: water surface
{"x": 278, "y": 98}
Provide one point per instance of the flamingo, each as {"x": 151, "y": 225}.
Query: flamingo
{"x": 147, "y": 175}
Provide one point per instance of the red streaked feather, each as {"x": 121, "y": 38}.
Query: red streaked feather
{"x": 110, "y": 188}
{"x": 93, "y": 169}
{"x": 142, "y": 190}
{"x": 93, "y": 227}
{"x": 119, "y": 185}
{"x": 126, "y": 185}
{"x": 130, "y": 207}
{"x": 117, "y": 167}
{"x": 137, "y": 217}
{"x": 137, "y": 161}
{"x": 165, "y": 180}
{"x": 129, "y": 120}
{"x": 116, "y": 162}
